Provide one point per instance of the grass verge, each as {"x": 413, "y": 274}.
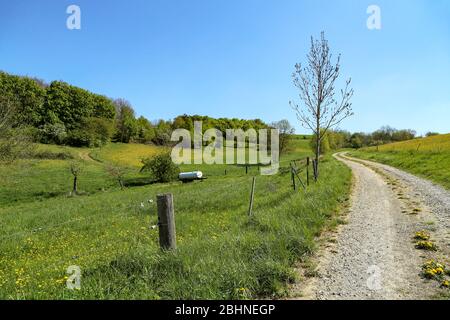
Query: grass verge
{"x": 426, "y": 164}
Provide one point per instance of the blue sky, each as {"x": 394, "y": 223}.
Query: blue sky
{"x": 230, "y": 58}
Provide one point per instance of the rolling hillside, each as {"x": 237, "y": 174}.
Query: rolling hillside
{"x": 427, "y": 157}
{"x": 438, "y": 143}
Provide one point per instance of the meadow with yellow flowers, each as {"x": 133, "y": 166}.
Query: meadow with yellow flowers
{"x": 426, "y": 157}
{"x": 107, "y": 232}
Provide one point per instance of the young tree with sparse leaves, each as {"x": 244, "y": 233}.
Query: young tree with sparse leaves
{"x": 316, "y": 81}
{"x": 117, "y": 172}
{"x": 285, "y": 131}
{"x": 75, "y": 169}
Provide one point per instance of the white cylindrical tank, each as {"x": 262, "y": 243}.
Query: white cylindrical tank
{"x": 196, "y": 175}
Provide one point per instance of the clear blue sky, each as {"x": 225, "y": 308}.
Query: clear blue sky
{"x": 234, "y": 58}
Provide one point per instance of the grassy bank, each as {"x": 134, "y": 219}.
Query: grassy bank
{"x": 428, "y": 158}
{"x": 222, "y": 253}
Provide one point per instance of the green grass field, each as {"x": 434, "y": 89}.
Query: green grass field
{"x": 222, "y": 253}
{"x": 427, "y": 157}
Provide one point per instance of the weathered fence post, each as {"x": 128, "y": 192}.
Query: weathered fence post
{"x": 299, "y": 179}
{"x": 293, "y": 178}
{"x": 166, "y": 216}
{"x": 252, "y": 197}
{"x": 307, "y": 171}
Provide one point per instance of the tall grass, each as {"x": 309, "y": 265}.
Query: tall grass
{"x": 222, "y": 253}
{"x": 428, "y": 158}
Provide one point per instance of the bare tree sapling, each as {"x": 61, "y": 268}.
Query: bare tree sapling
{"x": 321, "y": 109}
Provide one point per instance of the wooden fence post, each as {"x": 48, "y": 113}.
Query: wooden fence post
{"x": 307, "y": 171}
{"x": 166, "y": 216}
{"x": 299, "y": 179}
{"x": 252, "y": 197}
{"x": 293, "y": 178}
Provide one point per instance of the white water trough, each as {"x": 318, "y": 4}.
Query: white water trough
{"x": 190, "y": 176}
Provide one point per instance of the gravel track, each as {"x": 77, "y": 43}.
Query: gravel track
{"x": 373, "y": 255}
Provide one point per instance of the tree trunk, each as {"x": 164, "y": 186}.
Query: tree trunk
{"x": 316, "y": 175}
{"x": 75, "y": 185}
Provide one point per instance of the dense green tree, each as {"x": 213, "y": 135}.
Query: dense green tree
{"x": 183, "y": 122}
{"x": 103, "y": 107}
{"x": 28, "y": 95}
{"x": 403, "y": 135}
{"x": 145, "y": 131}
{"x": 100, "y": 130}
{"x": 64, "y": 114}
{"x": 339, "y": 139}
{"x": 69, "y": 104}
{"x": 163, "y": 132}
{"x": 126, "y": 126}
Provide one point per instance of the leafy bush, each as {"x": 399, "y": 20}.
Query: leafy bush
{"x": 161, "y": 167}
{"x": 53, "y": 133}
{"x": 78, "y": 138}
{"x": 49, "y": 155}
{"x": 15, "y": 144}
{"x": 95, "y": 132}
{"x": 162, "y": 138}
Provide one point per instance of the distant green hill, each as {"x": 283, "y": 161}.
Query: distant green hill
{"x": 436, "y": 143}
{"x": 427, "y": 157}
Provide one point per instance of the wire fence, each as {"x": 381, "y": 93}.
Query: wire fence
{"x": 130, "y": 211}
{"x": 132, "y": 208}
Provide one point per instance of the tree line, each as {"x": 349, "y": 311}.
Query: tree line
{"x": 336, "y": 139}
{"x": 60, "y": 113}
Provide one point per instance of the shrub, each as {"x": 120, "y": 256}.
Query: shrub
{"x": 162, "y": 138}
{"x": 53, "y": 133}
{"x": 95, "y": 132}
{"x": 15, "y": 144}
{"x": 49, "y": 155}
{"x": 78, "y": 138}
{"x": 117, "y": 173}
{"x": 161, "y": 167}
